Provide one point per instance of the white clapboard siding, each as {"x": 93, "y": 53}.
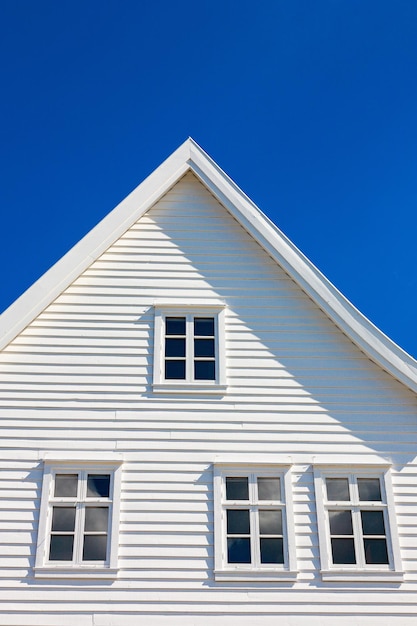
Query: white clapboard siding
{"x": 79, "y": 378}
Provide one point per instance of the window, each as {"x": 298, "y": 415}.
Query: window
{"x": 356, "y": 525}
{"x": 189, "y": 349}
{"x": 253, "y": 539}
{"x": 79, "y": 519}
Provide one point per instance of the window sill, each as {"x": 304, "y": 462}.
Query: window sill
{"x": 75, "y": 572}
{"x": 335, "y": 575}
{"x": 252, "y": 575}
{"x": 190, "y": 388}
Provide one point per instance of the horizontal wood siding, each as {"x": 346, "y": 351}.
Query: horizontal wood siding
{"x": 79, "y": 379}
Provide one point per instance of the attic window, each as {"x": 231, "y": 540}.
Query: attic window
{"x": 189, "y": 349}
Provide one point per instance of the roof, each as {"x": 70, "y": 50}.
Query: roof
{"x": 190, "y": 157}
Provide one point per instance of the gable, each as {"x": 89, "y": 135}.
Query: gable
{"x": 93, "y": 346}
{"x": 189, "y": 157}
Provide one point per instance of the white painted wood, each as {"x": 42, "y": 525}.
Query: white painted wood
{"x": 77, "y": 384}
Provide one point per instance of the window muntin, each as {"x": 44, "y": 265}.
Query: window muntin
{"x": 79, "y": 518}
{"x": 175, "y": 348}
{"x": 252, "y": 534}
{"x": 190, "y": 352}
{"x": 238, "y": 536}
{"x": 204, "y": 348}
{"x": 357, "y": 525}
{"x": 357, "y": 529}
{"x": 61, "y": 543}
{"x": 80, "y": 513}
{"x": 189, "y": 349}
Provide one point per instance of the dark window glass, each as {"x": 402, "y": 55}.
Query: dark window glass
{"x": 238, "y": 522}
{"x": 96, "y": 518}
{"x": 238, "y": 550}
{"x": 340, "y": 523}
{"x": 63, "y": 518}
{"x": 61, "y": 548}
{"x": 174, "y": 347}
{"x": 98, "y": 485}
{"x": 269, "y": 488}
{"x": 95, "y": 548}
{"x": 203, "y": 347}
{"x": 272, "y": 550}
{"x": 204, "y": 370}
{"x": 204, "y": 326}
{"x": 373, "y": 522}
{"x": 175, "y": 325}
{"x": 237, "y": 488}
{"x": 369, "y": 489}
{"x": 175, "y": 370}
{"x": 343, "y": 551}
{"x": 270, "y": 522}
{"x": 376, "y": 551}
{"x": 337, "y": 489}
{"x": 66, "y": 485}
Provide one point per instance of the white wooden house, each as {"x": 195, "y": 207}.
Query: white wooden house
{"x": 198, "y": 428}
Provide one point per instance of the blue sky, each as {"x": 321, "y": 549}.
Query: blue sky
{"x": 310, "y": 106}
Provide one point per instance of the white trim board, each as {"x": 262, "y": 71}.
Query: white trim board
{"x": 190, "y": 157}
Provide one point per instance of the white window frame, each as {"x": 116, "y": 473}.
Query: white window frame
{"x": 359, "y": 571}
{"x": 224, "y": 571}
{"x": 189, "y": 385}
{"x": 44, "y": 568}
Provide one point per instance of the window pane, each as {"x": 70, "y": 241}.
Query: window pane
{"x": 337, "y": 489}
{"x": 369, "y": 489}
{"x": 238, "y": 550}
{"x": 272, "y": 551}
{"x": 376, "y": 551}
{"x": 61, "y": 548}
{"x": 343, "y": 551}
{"x": 63, "y": 518}
{"x": 238, "y": 522}
{"x": 373, "y": 522}
{"x": 95, "y": 548}
{"x": 204, "y": 370}
{"x": 204, "y": 326}
{"x": 270, "y": 522}
{"x": 340, "y": 523}
{"x": 96, "y": 518}
{"x": 66, "y": 485}
{"x": 269, "y": 489}
{"x": 98, "y": 485}
{"x": 175, "y": 370}
{"x": 203, "y": 347}
{"x": 175, "y": 325}
{"x": 237, "y": 488}
{"x": 174, "y": 347}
